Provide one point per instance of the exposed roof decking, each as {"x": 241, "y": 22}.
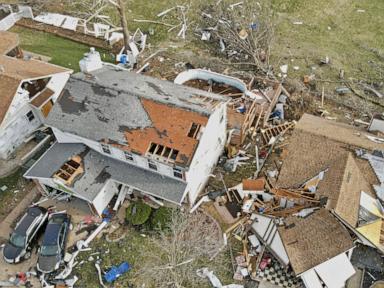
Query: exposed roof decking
{"x": 98, "y": 169}
{"x": 8, "y": 41}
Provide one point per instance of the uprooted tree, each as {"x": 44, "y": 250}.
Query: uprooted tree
{"x": 244, "y": 31}
{"x": 187, "y": 242}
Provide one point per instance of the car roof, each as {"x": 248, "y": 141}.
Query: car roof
{"x": 27, "y": 220}
{"x": 51, "y": 234}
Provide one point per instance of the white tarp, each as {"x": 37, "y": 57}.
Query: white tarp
{"x": 266, "y": 231}
{"x": 311, "y": 280}
{"x": 336, "y": 271}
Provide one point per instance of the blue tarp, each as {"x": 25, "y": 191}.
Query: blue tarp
{"x": 116, "y": 272}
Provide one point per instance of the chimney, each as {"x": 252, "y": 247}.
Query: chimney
{"x": 91, "y": 61}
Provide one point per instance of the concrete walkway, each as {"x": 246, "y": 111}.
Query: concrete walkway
{"x": 5, "y": 226}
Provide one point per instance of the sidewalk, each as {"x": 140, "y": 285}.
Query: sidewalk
{"x": 5, "y": 226}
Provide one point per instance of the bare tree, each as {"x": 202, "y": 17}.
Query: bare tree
{"x": 244, "y": 30}
{"x": 188, "y": 242}
{"x": 120, "y": 6}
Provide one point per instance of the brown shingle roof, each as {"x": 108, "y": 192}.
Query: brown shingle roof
{"x": 13, "y": 71}
{"x": 313, "y": 240}
{"x": 310, "y": 153}
{"x": 340, "y": 132}
{"x": 8, "y": 41}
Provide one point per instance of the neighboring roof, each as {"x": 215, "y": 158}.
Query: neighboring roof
{"x": 8, "y": 88}
{"x": 13, "y": 71}
{"x": 313, "y": 240}
{"x": 98, "y": 169}
{"x": 8, "y": 41}
{"x": 308, "y": 154}
{"x": 28, "y": 69}
{"x": 342, "y": 133}
{"x": 131, "y": 111}
{"x": 42, "y": 97}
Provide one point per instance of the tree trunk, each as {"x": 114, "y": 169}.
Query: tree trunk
{"x": 123, "y": 20}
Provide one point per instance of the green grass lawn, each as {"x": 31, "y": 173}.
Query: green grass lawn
{"x": 63, "y": 52}
{"x": 333, "y": 28}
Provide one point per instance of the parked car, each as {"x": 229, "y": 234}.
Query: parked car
{"x": 20, "y": 242}
{"x": 52, "y": 249}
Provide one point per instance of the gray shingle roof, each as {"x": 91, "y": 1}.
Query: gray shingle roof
{"x": 107, "y": 103}
{"x": 99, "y": 168}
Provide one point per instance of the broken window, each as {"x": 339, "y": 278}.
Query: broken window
{"x": 194, "y": 130}
{"x": 152, "y": 165}
{"x": 178, "y": 173}
{"x": 30, "y": 116}
{"x": 165, "y": 153}
{"x": 128, "y": 156}
{"x": 174, "y": 154}
{"x": 105, "y": 148}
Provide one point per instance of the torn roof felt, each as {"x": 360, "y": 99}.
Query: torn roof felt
{"x": 131, "y": 111}
{"x": 313, "y": 240}
{"x": 99, "y": 168}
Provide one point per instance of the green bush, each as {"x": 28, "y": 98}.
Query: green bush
{"x": 138, "y": 213}
{"x": 161, "y": 217}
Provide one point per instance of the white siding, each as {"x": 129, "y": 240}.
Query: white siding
{"x": 138, "y": 160}
{"x": 16, "y": 127}
{"x": 210, "y": 147}
{"x": 105, "y": 196}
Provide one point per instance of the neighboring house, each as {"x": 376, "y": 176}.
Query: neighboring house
{"x": 347, "y": 187}
{"x": 28, "y": 89}
{"x": 377, "y": 123}
{"x": 317, "y": 247}
{"x": 120, "y": 132}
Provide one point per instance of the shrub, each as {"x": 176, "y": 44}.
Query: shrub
{"x": 138, "y": 213}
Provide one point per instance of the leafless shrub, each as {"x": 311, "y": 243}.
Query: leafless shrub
{"x": 189, "y": 242}
{"x": 245, "y": 30}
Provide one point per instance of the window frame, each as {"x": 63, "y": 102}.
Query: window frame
{"x": 33, "y": 117}
{"x": 106, "y": 148}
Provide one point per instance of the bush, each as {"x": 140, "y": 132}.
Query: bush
{"x": 138, "y": 213}
{"x": 161, "y": 217}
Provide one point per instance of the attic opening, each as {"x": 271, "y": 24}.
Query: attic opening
{"x": 163, "y": 153}
{"x": 194, "y": 130}
{"x": 70, "y": 170}
{"x": 35, "y": 86}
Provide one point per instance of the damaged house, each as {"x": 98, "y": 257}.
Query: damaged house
{"x": 28, "y": 90}
{"x": 122, "y": 133}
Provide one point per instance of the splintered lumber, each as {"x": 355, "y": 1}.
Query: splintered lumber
{"x": 288, "y": 211}
{"x": 283, "y": 193}
{"x": 275, "y": 131}
{"x": 235, "y": 225}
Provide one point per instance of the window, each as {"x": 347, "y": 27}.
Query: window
{"x": 128, "y": 156}
{"x": 30, "y": 116}
{"x": 178, "y": 173}
{"x": 152, "y": 165}
{"x": 105, "y": 148}
{"x": 194, "y": 130}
